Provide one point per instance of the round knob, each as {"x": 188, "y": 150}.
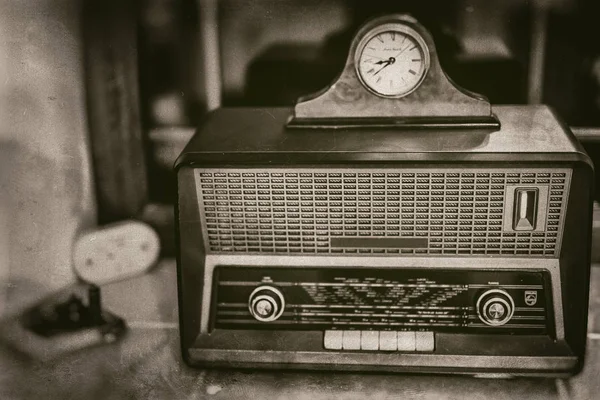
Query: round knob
{"x": 495, "y": 307}
{"x": 266, "y": 303}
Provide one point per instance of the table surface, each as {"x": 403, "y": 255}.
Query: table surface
{"x": 146, "y": 363}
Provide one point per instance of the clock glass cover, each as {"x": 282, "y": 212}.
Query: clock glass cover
{"x": 392, "y": 61}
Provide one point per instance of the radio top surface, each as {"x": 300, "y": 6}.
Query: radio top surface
{"x": 525, "y": 129}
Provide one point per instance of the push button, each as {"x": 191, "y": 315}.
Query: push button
{"x": 333, "y": 340}
{"x": 425, "y": 341}
{"x": 369, "y": 340}
{"x": 388, "y": 341}
{"x": 379, "y": 341}
{"x": 406, "y": 341}
{"x": 351, "y": 340}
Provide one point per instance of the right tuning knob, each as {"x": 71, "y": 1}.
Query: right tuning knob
{"x": 495, "y": 307}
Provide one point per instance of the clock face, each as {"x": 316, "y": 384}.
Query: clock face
{"x": 392, "y": 62}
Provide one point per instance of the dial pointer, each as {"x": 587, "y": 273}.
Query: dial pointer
{"x": 387, "y": 63}
{"x": 402, "y": 51}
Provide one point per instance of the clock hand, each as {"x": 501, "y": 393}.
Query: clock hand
{"x": 390, "y": 61}
{"x": 402, "y": 51}
{"x": 379, "y": 70}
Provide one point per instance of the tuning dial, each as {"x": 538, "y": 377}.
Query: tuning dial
{"x": 266, "y": 303}
{"x": 495, "y": 307}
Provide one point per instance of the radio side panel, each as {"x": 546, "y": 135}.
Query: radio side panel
{"x": 190, "y": 259}
{"x": 575, "y": 257}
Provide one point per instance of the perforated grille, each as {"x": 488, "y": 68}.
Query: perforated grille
{"x": 376, "y": 211}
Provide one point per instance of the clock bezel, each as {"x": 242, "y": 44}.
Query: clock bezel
{"x": 391, "y": 27}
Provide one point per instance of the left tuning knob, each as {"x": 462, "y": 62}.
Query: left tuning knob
{"x": 266, "y": 303}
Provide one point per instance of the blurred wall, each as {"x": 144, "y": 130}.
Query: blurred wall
{"x": 247, "y": 27}
{"x": 45, "y": 169}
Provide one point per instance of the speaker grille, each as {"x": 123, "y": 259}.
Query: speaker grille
{"x": 376, "y": 211}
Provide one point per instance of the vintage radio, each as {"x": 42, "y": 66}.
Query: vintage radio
{"x": 392, "y": 222}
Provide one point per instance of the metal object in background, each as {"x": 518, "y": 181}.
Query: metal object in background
{"x": 64, "y": 322}
{"x": 211, "y": 53}
{"x": 586, "y": 135}
{"x": 539, "y": 22}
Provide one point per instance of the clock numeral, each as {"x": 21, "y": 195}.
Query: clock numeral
{"x": 412, "y": 72}
{"x": 378, "y": 79}
{"x": 371, "y": 71}
{"x": 416, "y": 59}
{"x": 380, "y": 39}
{"x": 393, "y": 34}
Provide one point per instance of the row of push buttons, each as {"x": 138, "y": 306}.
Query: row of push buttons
{"x": 379, "y": 340}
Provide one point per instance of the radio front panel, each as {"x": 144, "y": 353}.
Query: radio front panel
{"x": 400, "y": 299}
{"x": 507, "y": 212}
